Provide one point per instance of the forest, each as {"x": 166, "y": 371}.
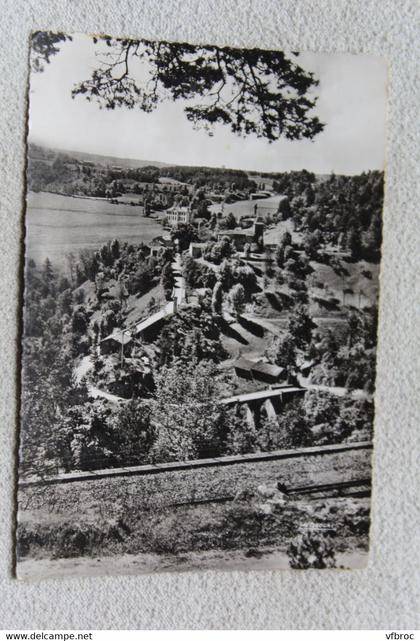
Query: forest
{"x": 343, "y": 210}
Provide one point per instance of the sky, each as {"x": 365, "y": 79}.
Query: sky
{"x": 351, "y": 103}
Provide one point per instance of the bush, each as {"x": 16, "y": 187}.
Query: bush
{"x": 66, "y": 540}
{"x": 311, "y": 551}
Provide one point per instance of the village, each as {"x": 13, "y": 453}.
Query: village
{"x": 236, "y": 267}
{"x": 246, "y": 358}
{"x": 264, "y": 285}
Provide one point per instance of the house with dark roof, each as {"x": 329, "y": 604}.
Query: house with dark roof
{"x": 240, "y": 237}
{"x": 259, "y": 371}
{"x": 151, "y": 326}
{"x": 115, "y": 342}
{"x": 268, "y": 373}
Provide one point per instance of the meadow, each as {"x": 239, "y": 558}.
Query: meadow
{"x": 57, "y": 225}
{"x": 247, "y": 207}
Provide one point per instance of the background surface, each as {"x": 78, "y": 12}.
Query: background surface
{"x": 383, "y": 596}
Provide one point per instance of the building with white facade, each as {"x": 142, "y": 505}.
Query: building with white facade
{"x": 178, "y": 215}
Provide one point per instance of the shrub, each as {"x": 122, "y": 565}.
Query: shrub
{"x": 311, "y": 551}
{"x": 65, "y": 540}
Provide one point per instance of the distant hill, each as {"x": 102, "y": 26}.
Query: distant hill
{"x": 35, "y": 151}
{"x": 48, "y": 154}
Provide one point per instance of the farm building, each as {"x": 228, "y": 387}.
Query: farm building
{"x": 259, "y": 371}
{"x": 115, "y": 341}
{"x": 151, "y": 326}
{"x": 268, "y": 373}
{"x": 242, "y": 368}
{"x": 240, "y": 237}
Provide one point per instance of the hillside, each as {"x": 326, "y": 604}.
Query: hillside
{"x": 38, "y": 152}
{"x": 41, "y": 152}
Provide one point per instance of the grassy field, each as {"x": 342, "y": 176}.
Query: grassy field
{"x": 247, "y": 207}
{"x": 57, "y": 225}
{"x": 188, "y": 511}
{"x": 358, "y": 283}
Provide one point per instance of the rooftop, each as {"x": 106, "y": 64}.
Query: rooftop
{"x": 154, "y": 318}
{"x": 120, "y": 337}
{"x": 260, "y": 366}
{"x": 244, "y": 363}
{"x": 268, "y": 368}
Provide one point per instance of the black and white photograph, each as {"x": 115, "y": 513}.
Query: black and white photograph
{"x": 201, "y": 281}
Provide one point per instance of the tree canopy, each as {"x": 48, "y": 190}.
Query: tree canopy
{"x": 253, "y": 91}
